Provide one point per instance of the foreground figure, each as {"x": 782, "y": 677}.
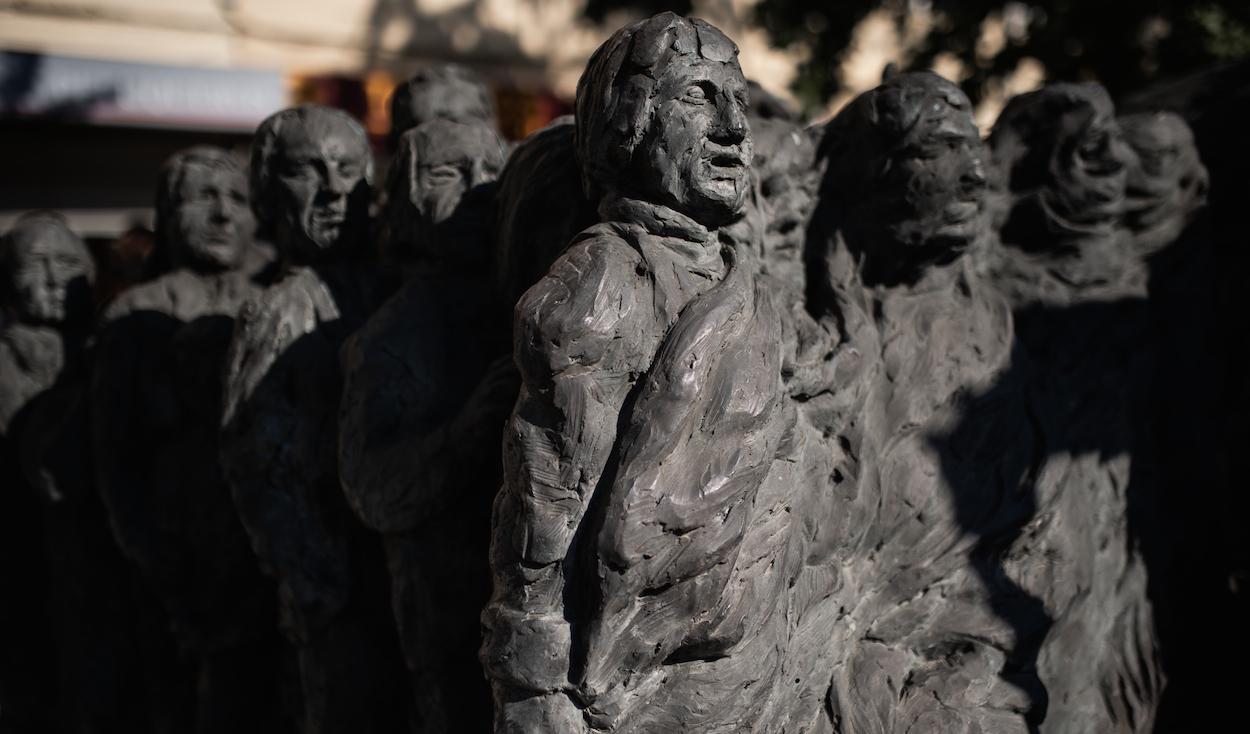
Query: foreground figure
{"x": 650, "y": 404}
{"x": 418, "y": 437}
{"x": 156, "y": 399}
{"x": 310, "y": 176}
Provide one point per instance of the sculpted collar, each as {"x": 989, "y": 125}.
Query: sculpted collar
{"x": 657, "y": 219}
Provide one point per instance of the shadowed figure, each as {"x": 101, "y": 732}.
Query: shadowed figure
{"x": 156, "y": 403}
{"x": 310, "y": 175}
{"x": 423, "y": 401}
{"x": 46, "y": 274}
{"x": 643, "y": 430}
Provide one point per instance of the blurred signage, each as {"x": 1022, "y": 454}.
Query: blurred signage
{"x": 122, "y": 93}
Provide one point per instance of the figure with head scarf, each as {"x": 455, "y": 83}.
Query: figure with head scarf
{"x": 1061, "y": 169}
{"x": 311, "y": 170}
{"x": 156, "y": 404}
{"x": 418, "y": 431}
{"x": 1166, "y": 181}
{"x": 650, "y": 406}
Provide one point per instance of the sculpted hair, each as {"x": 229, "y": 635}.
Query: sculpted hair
{"x": 615, "y": 94}
{"x": 402, "y": 118}
{"x": 265, "y": 147}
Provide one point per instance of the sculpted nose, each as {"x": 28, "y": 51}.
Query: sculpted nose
{"x": 337, "y": 183}
{"x": 219, "y": 207}
{"x": 477, "y": 175}
{"x": 731, "y": 123}
{"x": 974, "y": 175}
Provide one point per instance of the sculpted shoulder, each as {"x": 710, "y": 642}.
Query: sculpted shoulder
{"x": 586, "y": 310}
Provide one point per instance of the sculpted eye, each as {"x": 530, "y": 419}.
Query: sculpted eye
{"x": 696, "y": 94}
{"x": 298, "y": 169}
{"x": 443, "y": 174}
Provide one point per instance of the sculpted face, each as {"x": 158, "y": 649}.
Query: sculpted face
{"x": 696, "y": 155}
{"x": 320, "y": 186}
{"x": 1165, "y": 177}
{"x": 908, "y": 172}
{"x": 785, "y": 167}
{"x": 937, "y": 178}
{"x": 1089, "y": 169}
{"x": 440, "y": 193}
{"x": 51, "y": 272}
{"x": 211, "y": 224}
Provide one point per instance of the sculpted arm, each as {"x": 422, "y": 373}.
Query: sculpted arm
{"x": 579, "y": 346}
{"x": 274, "y": 484}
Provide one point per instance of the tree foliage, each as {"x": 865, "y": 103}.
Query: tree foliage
{"x": 1124, "y": 44}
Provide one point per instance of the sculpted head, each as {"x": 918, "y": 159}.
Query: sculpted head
{"x": 1064, "y": 162}
{"x": 310, "y": 174}
{"x": 203, "y": 220}
{"x": 784, "y": 169}
{"x": 445, "y": 91}
{"x": 47, "y": 270}
{"x": 439, "y": 184}
{"x": 661, "y": 117}
{"x": 1166, "y": 179}
{"x": 906, "y": 170}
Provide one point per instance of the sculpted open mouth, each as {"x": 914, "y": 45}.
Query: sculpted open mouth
{"x": 961, "y": 211}
{"x": 725, "y": 165}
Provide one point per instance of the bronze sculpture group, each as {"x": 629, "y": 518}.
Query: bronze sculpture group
{"x": 677, "y": 416}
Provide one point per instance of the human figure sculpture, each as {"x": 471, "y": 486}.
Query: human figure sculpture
{"x": 921, "y": 341}
{"x": 444, "y": 91}
{"x": 418, "y": 432}
{"x": 46, "y": 274}
{"x": 638, "y": 334}
{"x": 310, "y": 176}
{"x": 156, "y": 405}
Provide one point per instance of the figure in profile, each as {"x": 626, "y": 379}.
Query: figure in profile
{"x": 310, "y": 181}
{"x": 923, "y": 342}
{"x": 419, "y": 429}
{"x": 650, "y": 406}
{"x": 156, "y": 404}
